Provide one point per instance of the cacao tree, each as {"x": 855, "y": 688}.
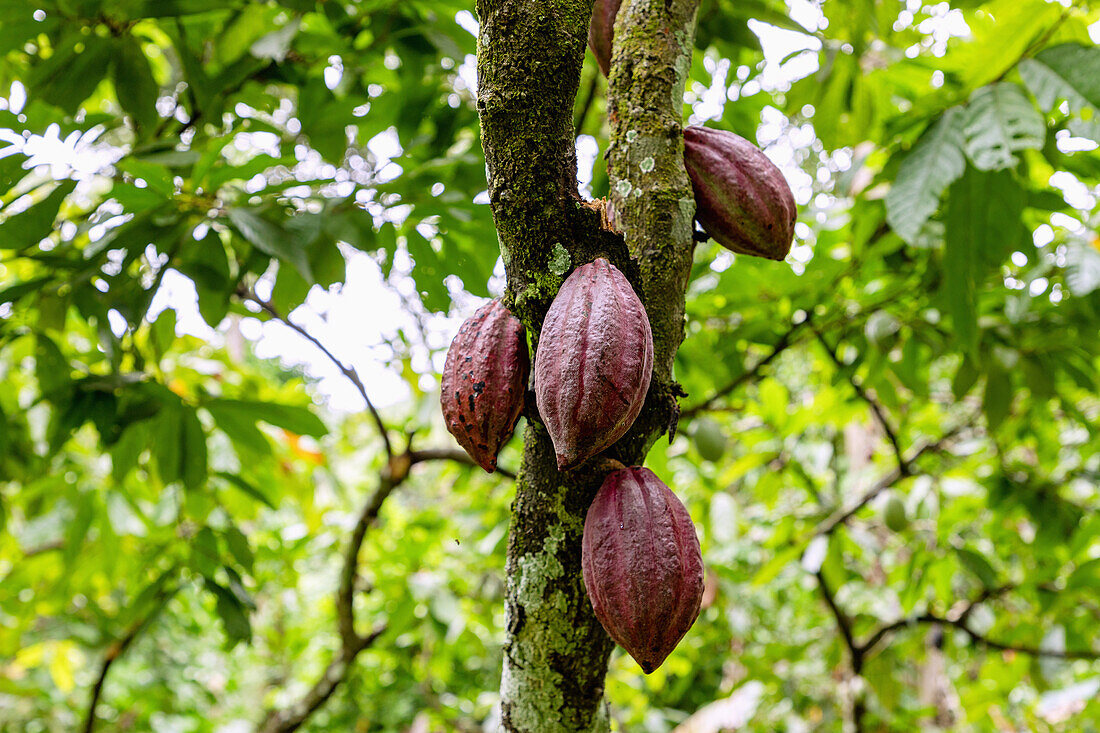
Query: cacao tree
{"x": 237, "y": 239}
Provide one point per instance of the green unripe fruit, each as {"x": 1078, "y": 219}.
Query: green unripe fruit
{"x": 710, "y": 439}
{"x": 894, "y": 515}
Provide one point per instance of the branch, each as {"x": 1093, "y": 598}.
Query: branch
{"x": 785, "y": 342}
{"x": 451, "y": 454}
{"x": 855, "y": 651}
{"x": 351, "y": 642}
{"x": 843, "y": 623}
{"x": 928, "y": 618}
{"x": 333, "y": 676}
{"x": 247, "y": 294}
{"x": 905, "y": 469}
{"x": 116, "y": 650}
{"x": 876, "y": 408}
{"x": 984, "y": 596}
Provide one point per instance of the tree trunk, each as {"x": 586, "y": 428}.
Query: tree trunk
{"x": 530, "y": 54}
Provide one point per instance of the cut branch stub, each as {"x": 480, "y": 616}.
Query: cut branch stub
{"x": 601, "y": 30}
{"x": 642, "y": 565}
{"x": 594, "y": 362}
{"x": 742, "y": 199}
{"x": 484, "y": 382}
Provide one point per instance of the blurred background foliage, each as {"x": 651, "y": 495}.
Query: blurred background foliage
{"x": 890, "y": 446}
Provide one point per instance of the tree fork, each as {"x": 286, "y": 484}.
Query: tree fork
{"x": 529, "y": 61}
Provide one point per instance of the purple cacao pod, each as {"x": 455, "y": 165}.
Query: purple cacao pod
{"x": 642, "y": 565}
{"x": 593, "y": 363}
{"x": 484, "y": 382}
{"x": 741, "y": 198}
{"x": 601, "y": 30}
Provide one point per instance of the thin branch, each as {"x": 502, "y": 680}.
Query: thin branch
{"x": 842, "y": 622}
{"x": 1034, "y": 651}
{"x": 854, "y": 650}
{"x": 114, "y": 651}
{"x": 351, "y": 642}
{"x": 333, "y": 676}
{"x": 887, "y": 481}
{"x": 876, "y": 408}
{"x": 452, "y": 454}
{"x": 785, "y": 342}
{"x": 347, "y": 371}
{"x": 985, "y": 595}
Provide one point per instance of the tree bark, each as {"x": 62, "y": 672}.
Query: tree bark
{"x": 529, "y": 60}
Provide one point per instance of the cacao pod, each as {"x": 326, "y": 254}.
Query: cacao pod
{"x": 894, "y": 514}
{"x": 484, "y": 382}
{"x": 593, "y": 363}
{"x": 710, "y": 439}
{"x": 742, "y": 200}
{"x": 601, "y": 29}
{"x": 642, "y": 565}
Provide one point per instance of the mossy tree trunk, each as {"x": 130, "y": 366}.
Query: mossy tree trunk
{"x": 530, "y": 54}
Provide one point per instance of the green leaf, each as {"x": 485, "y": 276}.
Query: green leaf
{"x": 296, "y": 419}
{"x": 976, "y": 563}
{"x": 232, "y": 613}
{"x": 193, "y": 468}
{"x": 32, "y": 225}
{"x": 167, "y": 442}
{"x": 249, "y": 26}
{"x": 13, "y": 293}
{"x": 997, "y": 402}
{"x": 1001, "y": 32}
{"x": 1082, "y": 267}
{"x": 1001, "y": 121}
{"x": 51, "y": 368}
{"x": 965, "y": 379}
{"x": 935, "y": 162}
{"x": 205, "y": 553}
{"x": 157, "y": 176}
{"x": 1069, "y": 72}
{"x": 127, "y": 449}
{"x": 983, "y": 225}
{"x": 429, "y": 272}
{"x": 73, "y": 72}
{"x": 271, "y": 239}
{"x": 135, "y": 87}
{"x": 238, "y": 546}
{"x": 1085, "y": 575}
{"x": 240, "y": 426}
{"x": 276, "y": 44}
{"x": 236, "y": 481}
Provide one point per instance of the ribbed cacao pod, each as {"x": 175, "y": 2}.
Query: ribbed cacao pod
{"x": 741, "y": 198}
{"x": 601, "y": 29}
{"x": 894, "y": 514}
{"x": 642, "y": 566}
{"x": 593, "y": 363}
{"x": 710, "y": 439}
{"x": 484, "y": 382}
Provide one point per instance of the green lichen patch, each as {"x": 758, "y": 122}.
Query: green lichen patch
{"x": 560, "y": 261}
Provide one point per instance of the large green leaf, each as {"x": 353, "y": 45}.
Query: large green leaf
{"x": 1001, "y": 121}
{"x": 73, "y": 72}
{"x": 296, "y": 419}
{"x": 982, "y": 228}
{"x": 134, "y": 84}
{"x": 271, "y": 238}
{"x": 935, "y": 162}
{"x": 1069, "y": 72}
{"x": 35, "y": 223}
